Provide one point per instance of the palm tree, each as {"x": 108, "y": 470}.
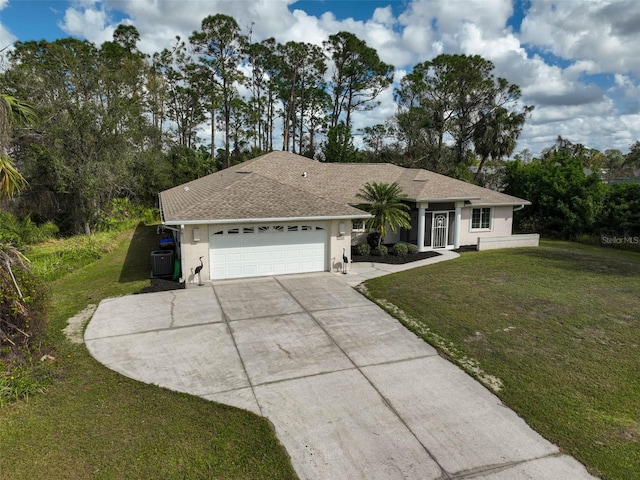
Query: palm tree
{"x": 384, "y": 202}
{"x": 496, "y": 134}
{"x": 14, "y": 322}
{"x": 12, "y": 111}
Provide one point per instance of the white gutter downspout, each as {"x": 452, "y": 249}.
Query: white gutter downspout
{"x": 181, "y": 235}
{"x": 518, "y": 208}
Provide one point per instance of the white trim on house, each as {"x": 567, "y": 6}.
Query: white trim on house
{"x": 442, "y": 200}
{"x": 267, "y": 220}
{"x": 520, "y": 205}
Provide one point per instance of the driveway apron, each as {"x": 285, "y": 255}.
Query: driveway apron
{"x": 352, "y": 393}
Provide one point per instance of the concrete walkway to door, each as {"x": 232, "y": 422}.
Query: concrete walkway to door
{"x": 352, "y": 394}
{"x": 358, "y": 272}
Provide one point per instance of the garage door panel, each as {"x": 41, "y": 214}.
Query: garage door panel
{"x": 250, "y": 270}
{"x": 250, "y": 257}
{"x": 293, "y": 254}
{"x": 257, "y": 252}
{"x": 234, "y": 271}
{"x": 276, "y": 255}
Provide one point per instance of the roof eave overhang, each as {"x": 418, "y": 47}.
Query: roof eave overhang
{"x": 160, "y": 208}
{"x": 226, "y": 221}
{"x": 443, "y": 200}
{"x": 503, "y": 204}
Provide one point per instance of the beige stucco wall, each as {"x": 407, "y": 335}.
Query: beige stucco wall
{"x": 191, "y": 251}
{"x": 501, "y": 223}
{"x": 358, "y": 237}
{"x": 511, "y": 241}
{"x": 391, "y": 237}
{"x": 361, "y": 236}
{"x": 337, "y": 243}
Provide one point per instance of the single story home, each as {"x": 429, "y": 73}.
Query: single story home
{"x": 283, "y": 213}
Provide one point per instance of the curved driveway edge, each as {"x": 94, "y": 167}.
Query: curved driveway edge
{"x": 351, "y": 393}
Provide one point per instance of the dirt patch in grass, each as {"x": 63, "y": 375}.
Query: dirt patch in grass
{"x": 75, "y": 325}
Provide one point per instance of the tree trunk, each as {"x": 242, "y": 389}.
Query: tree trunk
{"x": 475, "y": 177}
{"x": 213, "y": 132}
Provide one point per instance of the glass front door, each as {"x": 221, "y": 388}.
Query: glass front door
{"x": 440, "y": 227}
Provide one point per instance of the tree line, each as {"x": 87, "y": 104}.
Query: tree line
{"x": 577, "y": 193}
{"x": 113, "y": 122}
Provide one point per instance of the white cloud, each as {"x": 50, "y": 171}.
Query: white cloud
{"x": 6, "y": 39}
{"x": 628, "y": 85}
{"x": 447, "y": 17}
{"x": 84, "y": 21}
{"x": 619, "y": 132}
{"x": 384, "y": 16}
{"x": 604, "y": 31}
{"x": 595, "y": 38}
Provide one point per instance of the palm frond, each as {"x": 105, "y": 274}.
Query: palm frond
{"x": 11, "y": 180}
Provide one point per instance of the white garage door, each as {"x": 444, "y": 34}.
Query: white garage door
{"x": 269, "y": 249}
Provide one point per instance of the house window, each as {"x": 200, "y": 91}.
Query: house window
{"x": 292, "y": 228}
{"x": 358, "y": 226}
{"x": 481, "y": 219}
{"x": 233, "y": 231}
{"x": 428, "y": 228}
{"x": 248, "y": 230}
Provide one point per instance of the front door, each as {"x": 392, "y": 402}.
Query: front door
{"x": 440, "y": 229}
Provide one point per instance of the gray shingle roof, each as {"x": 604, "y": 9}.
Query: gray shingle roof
{"x": 284, "y": 185}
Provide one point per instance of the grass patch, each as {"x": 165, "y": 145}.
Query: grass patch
{"x": 54, "y": 259}
{"x": 557, "y": 326}
{"x": 95, "y": 423}
{"x": 22, "y": 382}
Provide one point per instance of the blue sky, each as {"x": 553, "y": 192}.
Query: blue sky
{"x": 575, "y": 60}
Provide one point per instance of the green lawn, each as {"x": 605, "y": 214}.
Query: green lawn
{"x": 558, "y": 326}
{"x": 94, "y": 423}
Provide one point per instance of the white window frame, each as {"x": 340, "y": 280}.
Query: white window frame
{"x": 481, "y": 228}
{"x": 358, "y": 226}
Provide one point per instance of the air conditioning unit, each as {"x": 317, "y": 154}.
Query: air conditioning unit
{"x": 162, "y": 263}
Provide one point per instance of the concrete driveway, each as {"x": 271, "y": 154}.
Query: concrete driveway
{"x": 352, "y": 394}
